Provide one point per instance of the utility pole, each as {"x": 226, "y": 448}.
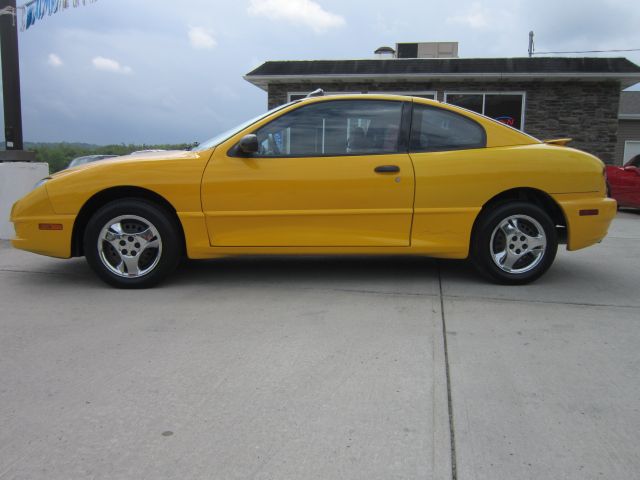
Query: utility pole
{"x": 11, "y": 77}
{"x": 531, "y": 46}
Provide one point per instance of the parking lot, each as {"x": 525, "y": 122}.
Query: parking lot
{"x": 323, "y": 368}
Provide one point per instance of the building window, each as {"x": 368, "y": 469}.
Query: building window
{"x": 507, "y": 107}
{"x": 345, "y": 127}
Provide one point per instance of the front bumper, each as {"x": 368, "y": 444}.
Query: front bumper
{"x": 32, "y": 212}
{"x": 586, "y": 229}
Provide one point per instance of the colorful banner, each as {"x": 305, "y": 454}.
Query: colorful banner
{"x": 36, "y": 9}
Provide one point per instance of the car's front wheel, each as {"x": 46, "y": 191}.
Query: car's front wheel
{"x": 514, "y": 243}
{"x": 132, "y": 243}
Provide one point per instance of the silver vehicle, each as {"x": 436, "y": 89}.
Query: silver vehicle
{"x": 87, "y": 159}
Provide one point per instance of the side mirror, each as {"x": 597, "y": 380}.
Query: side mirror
{"x": 249, "y": 144}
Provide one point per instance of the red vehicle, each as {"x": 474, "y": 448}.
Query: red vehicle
{"x": 624, "y": 183}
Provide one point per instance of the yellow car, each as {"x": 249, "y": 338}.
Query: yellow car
{"x": 348, "y": 174}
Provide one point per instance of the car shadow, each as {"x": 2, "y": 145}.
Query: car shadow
{"x": 306, "y": 271}
{"x": 314, "y": 270}
{"x": 632, "y": 211}
{"x": 302, "y": 271}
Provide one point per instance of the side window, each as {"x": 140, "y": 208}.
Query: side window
{"x": 435, "y": 129}
{"x": 341, "y": 127}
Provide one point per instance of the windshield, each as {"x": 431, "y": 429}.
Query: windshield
{"x": 218, "y": 139}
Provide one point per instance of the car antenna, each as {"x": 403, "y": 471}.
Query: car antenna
{"x": 316, "y": 93}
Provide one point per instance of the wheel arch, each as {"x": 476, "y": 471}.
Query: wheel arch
{"x": 116, "y": 193}
{"x": 530, "y": 195}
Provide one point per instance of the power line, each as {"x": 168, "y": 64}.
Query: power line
{"x": 532, "y": 49}
{"x": 589, "y": 51}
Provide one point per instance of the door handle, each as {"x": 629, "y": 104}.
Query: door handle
{"x": 387, "y": 169}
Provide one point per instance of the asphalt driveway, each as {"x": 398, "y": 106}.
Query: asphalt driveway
{"x": 323, "y": 368}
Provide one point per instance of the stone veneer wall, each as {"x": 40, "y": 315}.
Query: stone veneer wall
{"x": 584, "y": 111}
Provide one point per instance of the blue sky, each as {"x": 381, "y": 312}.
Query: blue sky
{"x": 155, "y": 71}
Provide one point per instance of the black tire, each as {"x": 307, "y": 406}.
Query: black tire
{"x": 490, "y": 241}
{"x": 135, "y": 222}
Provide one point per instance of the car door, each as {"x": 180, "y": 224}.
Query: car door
{"x": 328, "y": 174}
{"x": 445, "y": 148}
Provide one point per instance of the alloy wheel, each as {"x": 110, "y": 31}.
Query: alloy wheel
{"x": 129, "y": 246}
{"x": 518, "y": 244}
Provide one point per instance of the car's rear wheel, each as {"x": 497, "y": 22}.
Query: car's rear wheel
{"x": 514, "y": 243}
{"x": 132, "y": 243}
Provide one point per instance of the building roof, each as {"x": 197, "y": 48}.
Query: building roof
{"x": 558, "y": 68}
{"x": 629, "y": 105}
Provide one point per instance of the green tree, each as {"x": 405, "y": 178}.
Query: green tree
{"x": 59, "y": 155}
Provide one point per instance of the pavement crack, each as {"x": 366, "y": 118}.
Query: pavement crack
{"x": 377, "y": 292}
{"x": 452, "y": 435}
{"x": 544, "y": 302}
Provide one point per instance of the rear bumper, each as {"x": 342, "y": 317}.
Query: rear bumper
{"x": 584, "y": 225}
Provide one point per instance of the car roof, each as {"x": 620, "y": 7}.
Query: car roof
{"x": 367, "y": 96}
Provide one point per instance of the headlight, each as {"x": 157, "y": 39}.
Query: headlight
{"x": 41, "y": 182}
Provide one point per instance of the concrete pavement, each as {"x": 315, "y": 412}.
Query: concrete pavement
{"x": 323, "y": 368}
{"x": 545, "y": 377}
{"x": 235, "y": 369}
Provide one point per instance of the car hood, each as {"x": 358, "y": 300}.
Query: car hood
{"x": 134, "y": 158}
{"x": 144, "y": 156}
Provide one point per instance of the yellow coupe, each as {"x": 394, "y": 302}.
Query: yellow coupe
{"x": 347, "y": 174}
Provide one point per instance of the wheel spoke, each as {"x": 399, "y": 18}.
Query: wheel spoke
{"x": 113, "y": 235}
{"x": 114, "y": 244}
{"x": 148, "y": 239}
{"x": 147, "y": 235}
{"x": 498, "y": 257}
{"x": 155, "y": 243}
{"x": 536, "y": 254}
{"x": 110, "y": 236}
{"x": 506, "y": 259}
{"x": 509, "y": 227}
{"x": 510, "y": 259}
{"x": 536, "y": 243}
{"x": 129, "y": 266}
{"x": 117, "y": 228}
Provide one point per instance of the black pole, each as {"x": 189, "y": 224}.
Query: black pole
{"x": 11, "y": 78}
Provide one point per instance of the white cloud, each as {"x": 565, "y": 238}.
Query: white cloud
{"x": 54, "y": 60}
{"x": 306, "y": 12}
{"x": 110, "y": 65}
{"x": 389, "y": 25}
{"x": 201, "y": 37}
{"x": 224, "y": 91}
{"x": 474, "y": 18}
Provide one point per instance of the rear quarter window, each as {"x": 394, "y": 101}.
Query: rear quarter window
{"x": 435, "y": 129}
